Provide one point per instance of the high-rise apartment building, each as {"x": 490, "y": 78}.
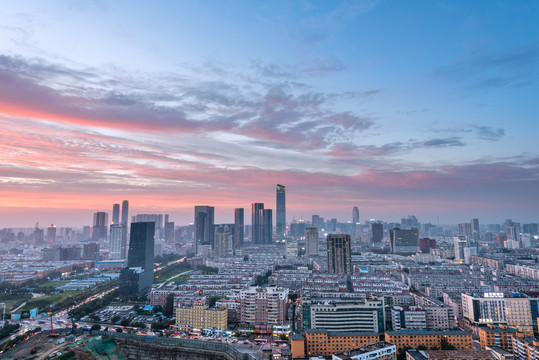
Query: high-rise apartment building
{"x": 100, "y": 226}
{"x": 90, "y": 251}
{"x": 204, "y": 221}
{"x": 239, "y": 232}
{"x": 115, "y": 213}
{"x": 339, "y": 254}
{"x": 224, "y": 240}
{"x": 280, "y": 210}
{"x": 311, "y": 241}
{"x": 355, "y": 222}
{"x": 267, "y": 228}
{"x": 404, "y": 241}
{"x": 264, "y": 305}
{"x": 460, "y": 242}
{"x": 257, "y": 216}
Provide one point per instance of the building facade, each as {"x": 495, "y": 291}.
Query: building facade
{"x": 339, "y": 254}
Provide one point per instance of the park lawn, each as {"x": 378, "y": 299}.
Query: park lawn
{"x": 12, "y": 301}
{"x": 54, "y": 284}
{"x": 43, "y": 302}
{"x": 166, "y": 274}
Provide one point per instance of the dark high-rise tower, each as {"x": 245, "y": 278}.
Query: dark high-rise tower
{"x": 204, "y": 220}
{"x": 280, "y": 215}
{"x": 377, "y": 232}
{"x": 355, "y": 215}
{"x": 141, "y": 245}
{"x": 267, "y": 228}
{"x": 115, "y": 213}
{"x": 476, "y": 235}
{"x": 125, "y": 211}
{"x": 51, "y": 234}
{"x": 257, "y": 216}
{"x": 339, "y": 254}
{"x": 137, "y": 278}
{"x": 238, "y": 227}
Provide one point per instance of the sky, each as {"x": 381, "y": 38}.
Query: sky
{"x": 415, "y": 107}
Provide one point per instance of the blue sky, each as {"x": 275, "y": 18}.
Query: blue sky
{"x": 398, "y": 107}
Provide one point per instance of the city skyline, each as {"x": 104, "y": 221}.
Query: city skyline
{"x": 397, "y": 108}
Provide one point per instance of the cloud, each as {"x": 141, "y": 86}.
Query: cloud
{"x": 488, "y": 133}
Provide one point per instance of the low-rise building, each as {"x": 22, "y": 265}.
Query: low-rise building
{"x": 201, "y": 317}
{"x": 379, "y": 351}
{"x": 326, "y": 343}
{"x": 449, "y": 355}
{"x": 461, "y": 340}
{"x": 525, "y": 348}
{"x": 499, "y": 336}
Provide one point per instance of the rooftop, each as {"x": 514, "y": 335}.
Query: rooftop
{"x": 452, "y": 355}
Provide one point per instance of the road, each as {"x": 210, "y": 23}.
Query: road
{"x": 175, "y": 276}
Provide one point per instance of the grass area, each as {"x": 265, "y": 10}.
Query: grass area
{"x": 167, "y": 275}
{"x": 14, "y": 300}
{"x": 53, "y": 284}
{"x": 45, "y": 301}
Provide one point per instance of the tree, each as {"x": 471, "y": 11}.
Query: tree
{"x": 213, "y": 300}
{"x": 401, "y": 354}
{"x": 96, "y": 327}
{"x": 115, "y": 319}
{"x": 422, "y": 347}
{"x": 119, "y": 330}
{"x": 125, "y": 322}
{"x": 168, "y": 310}
{"x": 446, "y": 345}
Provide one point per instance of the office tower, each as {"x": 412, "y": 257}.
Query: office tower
{"x": 90, "y": 251}
{"x": 51, "y": 234}
{"x": 531, "y": 229}
{"x": 377, "y": 232}
{"x": 204, "y": 220}
{"x": 238, "y": 228}
{"x": 137, "y": 278}
{"x": 476, "y": 235}
{"x": 280, "y": 210}
{"x": 355, "y": 222}
{"x": 267, "y": 227}
{"x": 425, "y": 244}
{"x": 86, "y": 232}
{"x": 169, "y": 230}
{"x": 460, "y": 243}
{"x": 311, "y": 241}
{"x": 257, "y": 216}
{"x": 513, "y": 231}
{"x": 404, "y": 241}
{"x": 224, "y": 239}
{"x": 116, "y": 213}
{"x": 339, "y": 254}
{"x": 410, "y": 221}
{"x": 483, "y": 310}
{"x": 118, "y": 241}
{"x": 125, "y": 211}
{"x": 155, "y": 218}
{"x": 38, "y": 235}
{"x": 99, "y": 230}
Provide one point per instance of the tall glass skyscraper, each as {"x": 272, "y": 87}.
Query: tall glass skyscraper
{"x": 238, "y": 227}
{"x": 281, "y": 210}
{"x": 257, "y": 218}
{"x": 204, "y": 221}
{"x": 115, "y": 213}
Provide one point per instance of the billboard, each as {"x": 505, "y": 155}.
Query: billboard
{"x": 33, "y": 313}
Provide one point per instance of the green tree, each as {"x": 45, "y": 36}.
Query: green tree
{"x": 213, "y": 300}
{"x": 422, "y": 347}
{"x": 401, "y": 353}
{"x": 446, "y": 345}
{"x": 115, "y": 319}
{"x": 119, "y": 330}
{"x": 96, "y": 327}
{"x": 125, "y": 322}
{"x": 168, "y": 310}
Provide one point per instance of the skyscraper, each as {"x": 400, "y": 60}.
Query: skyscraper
{"x": 125, "y": 212}
{"x": 280, "y": 215}
{"x": 115, "y": 213}
{"x": 137, "y": 278}
{"x": 238, "y": 227}
{"x": 339, "y": 254}
{"x": 224, "y": 237}
{"x": 257, "y": 216}
{"x": 377, "y": 232}
{"x": 267, "y": 228}
{"x": 355, "y": 221}
{"x": 311, "y": 241}
{"x": 118, "y": 241}
{"x": 51, "y": 234}
{"x": 204, "y": 220}
{"x": 475, "y": 230}
{"x": 99, "y": 230}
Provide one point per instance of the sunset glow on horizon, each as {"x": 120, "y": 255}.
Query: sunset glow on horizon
{"x": 424, "y": 108}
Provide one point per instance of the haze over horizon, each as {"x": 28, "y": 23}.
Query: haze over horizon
{"x": 422, "y": 108}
